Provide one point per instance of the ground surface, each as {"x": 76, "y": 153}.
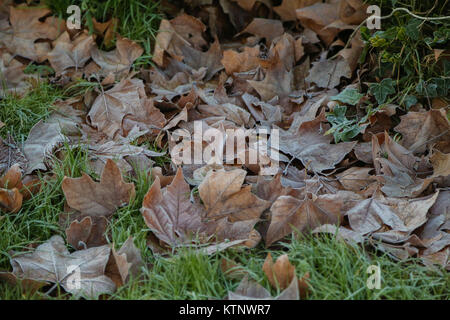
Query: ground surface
{"x": 413, "y": 78}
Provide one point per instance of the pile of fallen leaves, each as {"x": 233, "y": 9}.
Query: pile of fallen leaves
{"x": 231, "y": 65}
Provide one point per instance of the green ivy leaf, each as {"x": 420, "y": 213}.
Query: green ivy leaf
{"x": 412, "y": 29}
{"x": 348, "y": 96}
{"x": 342, "y": 128}
{"x": 382, "y": 90}
{"x": 410, "y": 101}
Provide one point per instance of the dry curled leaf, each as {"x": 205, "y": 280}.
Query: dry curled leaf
{"x": 87, "y": 232}
{"x": 14, "y": 189}
{"x": 282, "y": 273}
{"x": 420, "y": 130}
{"x": 125, "y": 263}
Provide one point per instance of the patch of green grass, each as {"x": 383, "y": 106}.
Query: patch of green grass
{"x": 337, "y": 271}
{"x": 138, "y": 19}
{"x": 21, "y": 114}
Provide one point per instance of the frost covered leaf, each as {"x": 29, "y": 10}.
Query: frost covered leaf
{"x": 42, "y": 140}
{"x": 119, "y": 60}
{"x": 348, "y": 96}
{"x": 312, "y": 147}
{"x": 421, "y": 130}
{"x": 70, "y": 54}
{"x": 124, "y": 263}
{"x": 87, "y": 232}
{"x": 52, "y": 262}
{"x": 169, "y": 213}
{"x": 224, "y": 196}
{"x": 98, "y": 198}
{"x": 289, "y": 214}
{"x": 250, "y": 290}
{"x": 26, "y": 29}
{"x": 328, "y": 73}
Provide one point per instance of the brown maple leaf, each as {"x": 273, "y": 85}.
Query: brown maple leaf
{"x": 181, "y": 38}
{"x": 110, "y": 107}
{"x": 223, "y": 196}
{"x": 98, "y": 198}
{"x": 51, "y": 262}
{"x": 317, "y": 16}
{"x": 369, "y": 215}
{"x": 175, "y": 220}
{"x": 420, "y": 130}
{"x": 288, "y": 7}
{"x": 87, "y": 232}
{"x": 312, "y": 147}
{"x": 246, "y": 60}
{"x": 289, "y": 214}
{"x": 270, "y": 189}
{"x": 398, "y": 168}
{"x": 70, "y": 54}
{"x": 170, "y": 214}
{"x": 119, "y": 60}
{"x": 26, "y": 28}
{"x": 278, "y": 81}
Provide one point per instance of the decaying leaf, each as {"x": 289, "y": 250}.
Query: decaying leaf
{"x": 399, "y": 168}
{"x": 282, "y": 273}
{"x": 223, "y": 196}
{"x": 175, "y": 220}
{"x": 51, "y": 262}
{"x": 289, "y": 214}
{"x": 250, "y": 290}
{"x": 87, "y": 233}
{"x": 119, "y": 60}
{"x": 42, "y": 140}
{"x": 11, "y": 154}
{"x": 125, "y": 263}
{"x": 98, "y": 198}
{"x": 26, "y": 28}
{"x": 312, "y": 147}
{"x": 420, "y": 130}
{"x": 70, "y": 54}
{"x": 14, "y": 189}
{"x": 169, "y": 213}
{"x": 241, "y": 61}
